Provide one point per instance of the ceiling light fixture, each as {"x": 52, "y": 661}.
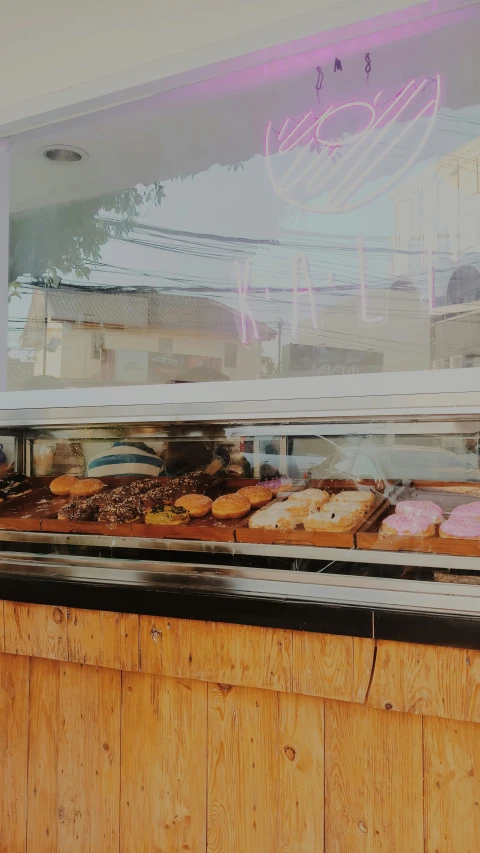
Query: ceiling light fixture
{"x": 64, "y": 154}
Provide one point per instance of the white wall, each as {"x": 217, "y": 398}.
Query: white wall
{"x": 56, "y": 54}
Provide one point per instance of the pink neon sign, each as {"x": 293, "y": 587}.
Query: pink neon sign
{"x": 301, "y": 160}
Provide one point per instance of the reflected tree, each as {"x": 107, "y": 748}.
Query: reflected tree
{"x": 67, "y": 239}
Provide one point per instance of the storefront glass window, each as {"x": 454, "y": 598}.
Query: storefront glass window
{"x": 317, "y": 215}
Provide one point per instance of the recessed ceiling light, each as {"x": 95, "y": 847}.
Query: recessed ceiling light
{"x": 64, "y": 154}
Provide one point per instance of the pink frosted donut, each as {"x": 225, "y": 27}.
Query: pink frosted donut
{"x": 407, "y": 525}
{"x": 428, "y": 508}
{"x": 471, "y": 510}
{"x": 460, "y": 527}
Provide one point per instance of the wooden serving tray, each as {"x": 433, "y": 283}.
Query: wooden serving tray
{"x": 320, "y": 539}
{"x": 368, "y": 538}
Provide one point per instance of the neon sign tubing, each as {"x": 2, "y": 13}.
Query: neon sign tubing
{"x": 382, "y": 156}
{"x": 355, "y": 205}
{"x": 380, "y": 136}
{"x": 312, "y": 187}
{"x": 301, "y": 262}
{"x": 243, "y": 282}
{"x": 363, "y": 285}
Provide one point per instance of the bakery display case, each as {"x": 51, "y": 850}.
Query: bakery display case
{"x": 344, "y": 510}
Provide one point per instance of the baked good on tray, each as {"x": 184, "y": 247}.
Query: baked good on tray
{"x": 171, "y": 515}
{"x": 272, "y": 518}
{"x": 460, "y": 528}
{"x": 86, "y": 488}
{"x": 197, "y": 505}
{"x": 425, "y": 508}
{"x": 363, "y": 499}
{"x": 257, "y": 496}
{"x": 315, "y": 497}
{"x": 471, "y": 510}
{"x": 333, "y": 520}
{"x": 231, "y": 506}
{"x": 14, "y": 486}
{"x": 277, "y": 485}
{"x": 63, "y": 485}
{"x": 407, "y": 524}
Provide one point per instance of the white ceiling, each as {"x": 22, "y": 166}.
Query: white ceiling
{"x": 222, "y": 121}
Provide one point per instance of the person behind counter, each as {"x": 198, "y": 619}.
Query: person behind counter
{"x": 136, "y": 458}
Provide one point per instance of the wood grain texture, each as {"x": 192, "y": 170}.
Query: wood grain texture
{"x": 2, "y": 628}
{"x": 265, "y": 771}
{"x": 89, "y": 759}
{"x": 35, "y": 629}
{"x": 363, "y": 663}
{"x": 164, "y": 764}
{"x": 14, "y": 688}
{"x": 44, "y": 722}
{"x": 214, "y": 651}
{"x": 452, "y": 786}
{"x": 101, "y": 638}
{"x": 323, "y": 665}
{"x": 373, "y": 781}
{"x": 421, "y": 680}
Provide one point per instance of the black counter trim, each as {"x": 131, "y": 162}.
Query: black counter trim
{"x": 401, "y": 626}
{"x": 427, "y": 629}
{"x": 210, "y": 607}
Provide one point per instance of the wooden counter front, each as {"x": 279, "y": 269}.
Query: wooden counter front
{"x": 140, "y": 734}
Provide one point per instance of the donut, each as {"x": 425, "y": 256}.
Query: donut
{"x": 406, "y": 524}
{"x": 256, "y": 495}
{"x": 171, "y": 515}
{"x": 279, "y": 484}
{"x": 460, "y": 528}
{"x": 273, "y": 518}
{"x": 426, "y": 508}
{"x": 63, "y": 485}
{"x": 471, "y": 510}
{"x": 86, "y": 488}
{"x": 196, "y": 505}
{"x": 231, "y": 506}
{"x": 315, "y": 497}
{"x": 361, "y": 499}
{"x": 332, "y": 520}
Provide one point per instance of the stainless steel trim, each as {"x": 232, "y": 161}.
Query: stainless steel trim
{"x": 172, "y": 546}
{"x": 331, "y": 589}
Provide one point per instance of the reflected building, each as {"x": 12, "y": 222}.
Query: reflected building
{"x": 98, "y": 336}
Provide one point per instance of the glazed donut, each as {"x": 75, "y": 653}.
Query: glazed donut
{"x": 86, "y": 488}
{"x": 63, "y": 485}
{"x": 231, "y": 506}
{"x": 196, "y": 505}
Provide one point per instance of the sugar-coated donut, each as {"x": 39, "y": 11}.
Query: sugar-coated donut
{"x": 426, "y": 508}
{"x": 231, "y": 506}
{"x": 196, "y": 505}
{"x": 257, "y": 496}
{"x": 470, "y": 510}
{"x": 273, "y": 518}
{"x": 86, "y": 488}
{"x": 63, "y": 485}
{"x": 460, "y": 528}
{"x": 405, "y": 524}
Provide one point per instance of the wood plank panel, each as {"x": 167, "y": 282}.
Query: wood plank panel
{"x": 323, "y": 665}
{"x": 89, "y": 760}
{"x": 42, "y": 794}
{"x": 2, "y": 628}
{"x": 420, "y": 680}
{"x": 14, "y": 688}
{"x": 101, "y": 638}
{"x": 164, "y": 764}
{"x": 35, "y": 629}
{"x": 265, "y": 772}
{"x": 452, "y": 786}
{"x": 373, "y": 780}
{"x": 214, "y": 651}
{"x": 363, "y": 662}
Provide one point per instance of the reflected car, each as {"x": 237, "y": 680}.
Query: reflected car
{"x": 399, "y": 462}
